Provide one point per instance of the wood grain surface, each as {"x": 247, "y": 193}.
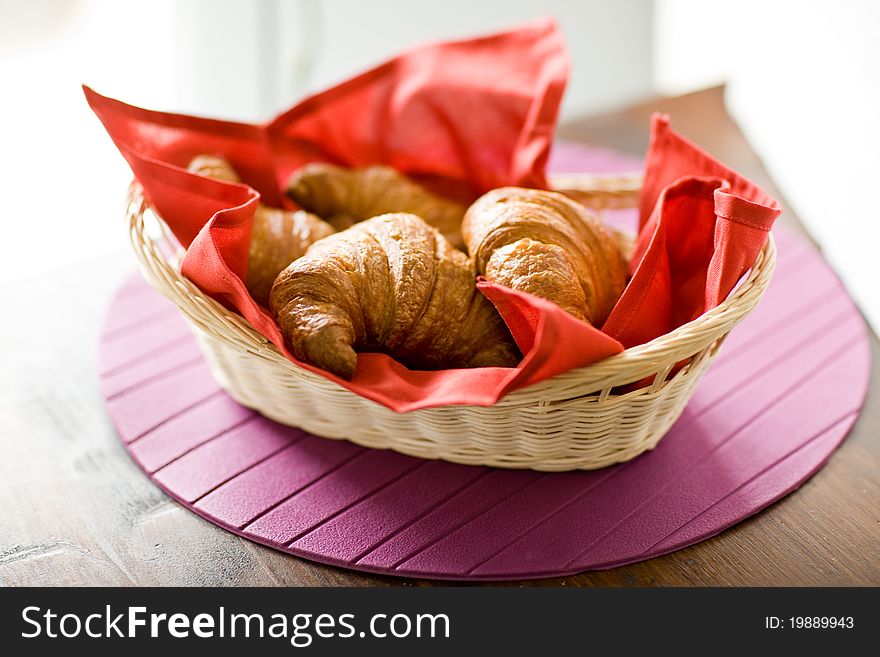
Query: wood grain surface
{"x": 77, "y": 511}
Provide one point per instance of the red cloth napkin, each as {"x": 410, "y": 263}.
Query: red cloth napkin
{"x": 462, "y": 117}
{"x": 701, "y": 228}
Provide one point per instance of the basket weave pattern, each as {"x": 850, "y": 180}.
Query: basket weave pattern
{"x": 575, "y": 420}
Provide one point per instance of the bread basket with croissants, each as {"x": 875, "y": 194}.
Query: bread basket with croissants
{"x": 374, "y": 262}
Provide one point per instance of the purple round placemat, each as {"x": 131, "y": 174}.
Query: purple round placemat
{"x": 785, "y": 390}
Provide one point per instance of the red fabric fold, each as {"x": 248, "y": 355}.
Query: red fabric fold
{"x": 462, "y": 117}
{"x": 702, "y": 226}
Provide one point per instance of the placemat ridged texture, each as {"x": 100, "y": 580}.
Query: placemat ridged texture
{"x": 785, "y": 390}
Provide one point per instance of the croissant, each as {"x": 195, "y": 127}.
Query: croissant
{"x": 347, "y": 196}
{"x": 548, "y": 245}
{"x": 278, "y": 237}
{"x": 212, "y": 166}
{"x": 391, "y": 284}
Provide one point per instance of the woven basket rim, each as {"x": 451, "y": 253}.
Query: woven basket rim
{"x": 634, "y": 363}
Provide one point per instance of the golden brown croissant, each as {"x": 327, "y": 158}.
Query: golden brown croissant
{"x": 346, "y": 196}
{"x": 278, "y": 238}
{"x": 213, "y": 167}
{"x": 391, "y": 284}
{"x": 548, "y": 245}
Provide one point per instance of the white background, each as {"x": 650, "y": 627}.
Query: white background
{"x": 804, "y": 84}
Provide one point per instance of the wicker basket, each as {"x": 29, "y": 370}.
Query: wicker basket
{"x": 575, "y": 421}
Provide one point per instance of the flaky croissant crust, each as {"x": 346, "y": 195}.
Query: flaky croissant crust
{"x": 548, "y": 245}
{"x": 345, "y": 196}
{"x": 391, "y": 284}
{"x": 278, "y": 236}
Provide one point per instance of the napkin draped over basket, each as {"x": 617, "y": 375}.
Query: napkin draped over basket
{"x": 462, "y": 118}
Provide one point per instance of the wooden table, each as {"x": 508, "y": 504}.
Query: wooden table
{"x": 76, "y": 510}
